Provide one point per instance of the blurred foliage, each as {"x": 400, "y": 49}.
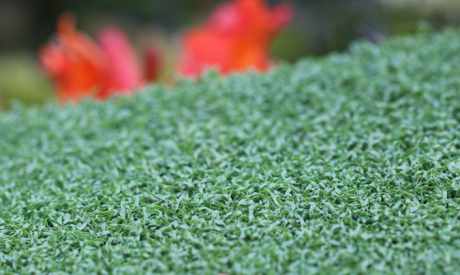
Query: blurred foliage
{"x": 319, "y": 27}
{"x": 21, "y": 79}
{"x": 319, "y": 21}
{"x": 324, "y": 25}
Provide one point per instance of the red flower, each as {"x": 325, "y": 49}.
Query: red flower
{"x": 152, "y": 62}
{"x": 236, "y": 37}
{"x": 82, "y": 68}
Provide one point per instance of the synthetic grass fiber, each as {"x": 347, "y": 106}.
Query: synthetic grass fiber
{"x": 348, "y": 164}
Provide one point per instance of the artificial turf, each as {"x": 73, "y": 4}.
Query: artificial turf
{"x": 347, "y": 164}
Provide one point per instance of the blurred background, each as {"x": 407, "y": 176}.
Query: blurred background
{"x": 318, "y": 28}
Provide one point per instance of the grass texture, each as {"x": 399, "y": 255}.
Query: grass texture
{"x": 347, "y": 164}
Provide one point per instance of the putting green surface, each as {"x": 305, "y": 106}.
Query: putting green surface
{"x": 347, "y": 164}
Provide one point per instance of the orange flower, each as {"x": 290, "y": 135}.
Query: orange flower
{"x": 82, "y": 68}
{"x": 236, "y": 37}
{"x": 74, "y": 61}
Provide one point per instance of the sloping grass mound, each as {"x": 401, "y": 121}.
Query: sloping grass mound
{"x": 344, "y": 165}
